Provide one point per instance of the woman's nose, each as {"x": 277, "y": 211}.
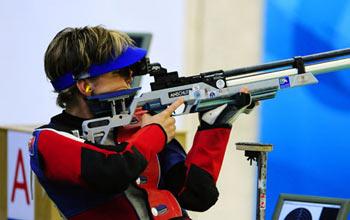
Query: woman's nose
{"x": 130, "y": 78}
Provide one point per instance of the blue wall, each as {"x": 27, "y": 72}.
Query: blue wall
{"x": 308, "y": 126}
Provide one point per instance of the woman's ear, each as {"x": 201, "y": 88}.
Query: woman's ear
{"x": 84, "y": 87}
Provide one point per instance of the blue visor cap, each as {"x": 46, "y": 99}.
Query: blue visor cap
{"x": 128, "y": 57}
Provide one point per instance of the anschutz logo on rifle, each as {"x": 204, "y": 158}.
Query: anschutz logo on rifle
{"x": 179, "y": 93}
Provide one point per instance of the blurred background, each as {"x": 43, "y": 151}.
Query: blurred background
{"x": 309, "y": 126}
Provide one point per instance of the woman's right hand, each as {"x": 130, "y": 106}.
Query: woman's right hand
{"x": 164, "y": 119}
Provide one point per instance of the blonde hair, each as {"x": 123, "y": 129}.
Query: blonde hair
{"x": 74, "y": 50}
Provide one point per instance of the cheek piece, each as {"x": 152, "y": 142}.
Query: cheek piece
{"x": 101, "y": 105}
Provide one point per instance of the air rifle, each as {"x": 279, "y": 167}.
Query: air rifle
{"x": 210, "y": 89}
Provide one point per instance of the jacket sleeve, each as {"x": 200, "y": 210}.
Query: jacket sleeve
{"x": 66, "y": 159}
{"x": 193, "y": 181}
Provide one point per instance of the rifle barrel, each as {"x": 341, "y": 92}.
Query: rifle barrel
{"x": 328, "y": 66}
{"x": 288, "y": 62}
{"x": 315, "y": 68}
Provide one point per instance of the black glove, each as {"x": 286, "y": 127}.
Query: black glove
{"x": 225, "y": 115}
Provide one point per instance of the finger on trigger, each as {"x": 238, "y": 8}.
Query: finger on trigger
{"x": 171, "y": 108}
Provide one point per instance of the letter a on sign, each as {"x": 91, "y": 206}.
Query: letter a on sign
{"x": 17, "y": 185}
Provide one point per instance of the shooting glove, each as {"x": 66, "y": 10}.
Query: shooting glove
{"x": 225, "y": 115}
